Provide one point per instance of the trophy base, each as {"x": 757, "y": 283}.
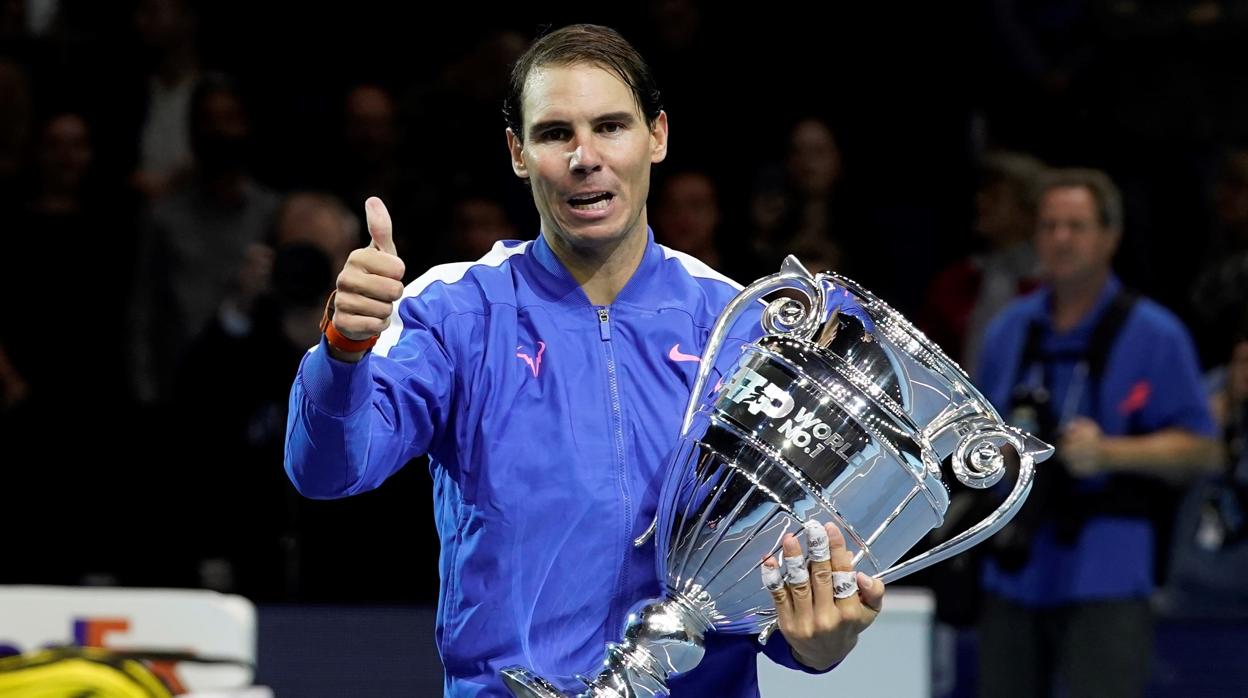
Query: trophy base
{"x": 525, "y": 684}
{"x": 661, "y": 637}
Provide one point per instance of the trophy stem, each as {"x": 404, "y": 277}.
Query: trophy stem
{"x": 661, "y": 637}
{"x": 525, "y": 684}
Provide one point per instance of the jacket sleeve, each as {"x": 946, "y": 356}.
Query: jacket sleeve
{"x": 351, "y": 426}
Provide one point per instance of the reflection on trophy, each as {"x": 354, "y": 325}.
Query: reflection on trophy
{"x": 842, "y": 411}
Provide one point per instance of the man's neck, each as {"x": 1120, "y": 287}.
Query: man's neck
{"x": 1074, "y": 300}
{"x": 603, "y": 271}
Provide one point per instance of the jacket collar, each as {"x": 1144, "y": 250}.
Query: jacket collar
{"x": 553, "y": 280}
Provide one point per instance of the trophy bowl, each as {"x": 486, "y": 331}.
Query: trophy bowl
{"x": 842, "y": 411}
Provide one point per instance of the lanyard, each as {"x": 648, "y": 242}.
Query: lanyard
{"x": 1074, "y": 391}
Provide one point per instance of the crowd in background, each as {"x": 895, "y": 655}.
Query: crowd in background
{"x": 180, "y": 182}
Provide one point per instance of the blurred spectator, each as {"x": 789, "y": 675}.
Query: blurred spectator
{"x": 305, "y": 218}
{"x": 321, "y": 220}
{"x": 69, "y": 213}
{"x": 371, "y": 142}
{"x": 370, "y": 164}
{"x": 232, "y": 392}
{"x": 463, "y": 97}
{"x": 687, "y": 217}
{"x": 967, "y": 295}
{"x": 195, "y": 240}
{"x": 802, "y": 206}
{"x": 65, "y": 157}
{"x": 1220, "y": 292}
{"x": 477, "y": 222}
{"x": 275, "y": 545}
{"x": 167, "y": 29}
{"x": 1113, "y": 381}
{"x": 71, "y": 227}
{"x": 1209, "y": 562}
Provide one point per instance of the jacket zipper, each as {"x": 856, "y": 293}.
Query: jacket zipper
{"x": 617, "y": 423}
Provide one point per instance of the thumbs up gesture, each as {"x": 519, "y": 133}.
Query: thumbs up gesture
{"x": 371, "y": 281}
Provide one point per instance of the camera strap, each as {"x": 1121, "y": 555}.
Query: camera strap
{"x": 1034, "y": 363}
{"x": 1058, "y": 494}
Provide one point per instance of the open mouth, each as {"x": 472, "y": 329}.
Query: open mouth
{"x": 592, "y": 201}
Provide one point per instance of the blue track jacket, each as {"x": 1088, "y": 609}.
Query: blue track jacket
{"x": 548, "y": 422}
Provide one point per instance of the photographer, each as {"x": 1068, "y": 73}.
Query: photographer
{"x": 1112, "y": 380}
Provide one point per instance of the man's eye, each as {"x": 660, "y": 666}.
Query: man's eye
{"x": 554, "y": 134}
{"x": 612, "y": 127}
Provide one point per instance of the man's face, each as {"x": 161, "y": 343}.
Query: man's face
{"x": 814, "y": 158}
{"x": 1071, "y": 243}
{"x": 587, "y": 152}
{"x": 220, "y": 140}
{"x": 308, "y": 221}
{"x": 1000, "y": 212}
{"x": 370, "y": 131}
{"x": 66, "y": 154}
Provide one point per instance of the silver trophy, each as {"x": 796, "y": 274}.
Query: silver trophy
{"x": 842, "y": 411}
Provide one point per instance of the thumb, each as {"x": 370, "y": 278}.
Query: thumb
{"x": 380, "y": 229}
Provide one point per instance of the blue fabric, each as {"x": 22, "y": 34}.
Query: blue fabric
{"x": 548, "y": 429}
{"x": 1151, "y": 382}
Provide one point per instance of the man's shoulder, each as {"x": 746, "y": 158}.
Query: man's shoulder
{"x": 699, "y": 275}
{"x": 1151, "y": 320}
{"x": 1017, "y": 314}
{"x": 691, "y": 286}
{"x": 467, "y": 286}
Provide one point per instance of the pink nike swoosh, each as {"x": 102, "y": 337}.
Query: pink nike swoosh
{"x": 676, "y": 355}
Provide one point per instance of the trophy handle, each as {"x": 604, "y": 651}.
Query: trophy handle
{"x": 782, "y": 316}
{"x": 977, "y": 449}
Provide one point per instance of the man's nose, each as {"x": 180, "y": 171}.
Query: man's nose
{"x": 584, "y": 159}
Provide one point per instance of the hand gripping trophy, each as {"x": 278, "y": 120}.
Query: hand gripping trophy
{"x": 848, "y": 416}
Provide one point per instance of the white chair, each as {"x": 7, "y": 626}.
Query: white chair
{"x": 204, "y": 624}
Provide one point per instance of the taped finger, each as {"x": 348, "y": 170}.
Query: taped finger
{"x": 795, "y": 570}
{"x": 844, "y": 584}
{"x": 817, "y": 539}
{"x": 773, "y": 578}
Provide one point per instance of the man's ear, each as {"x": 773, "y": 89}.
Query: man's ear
{"x": 658, "y": 139}
{"x": 516, "y": 147}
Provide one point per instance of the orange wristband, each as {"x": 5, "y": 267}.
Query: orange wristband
{"x": 335, "y": 338}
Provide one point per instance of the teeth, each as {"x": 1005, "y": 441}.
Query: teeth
{"x": 596, "y": 206}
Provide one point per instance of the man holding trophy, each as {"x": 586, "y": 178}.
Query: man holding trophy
{"x": 615, "y": 444}
{"x": 546, "y": 381}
